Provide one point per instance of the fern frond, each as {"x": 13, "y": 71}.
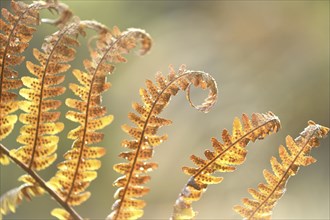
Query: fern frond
{"x": 295, "y": 155}
{"x": 38, "y": 135}
{"x": 17, "y": 30}
{"x": 79, "y": 168}
{"x": 10, "y": 200}
{"x": 155, "y": 98}
{"x": 224, "y": 158}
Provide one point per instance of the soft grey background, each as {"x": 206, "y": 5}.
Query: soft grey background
{"x": 265, "y": 55}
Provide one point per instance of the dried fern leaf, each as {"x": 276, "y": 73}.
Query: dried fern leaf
{"x": 79, "y": 168}
{"x": 39, "y": 133}
{"x": 155, "y": 98}
{"x": 295, "y": 155}
{"x": 11, "y": 199}
{"x": 224, "y": 158}
{"x": 16, "y": 31}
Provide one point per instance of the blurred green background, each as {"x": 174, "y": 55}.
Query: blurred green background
{"x": 265, "y": 55}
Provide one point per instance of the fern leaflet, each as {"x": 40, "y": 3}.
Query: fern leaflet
{"x": 299, "y": 155}
{"x": 145, "y": 137}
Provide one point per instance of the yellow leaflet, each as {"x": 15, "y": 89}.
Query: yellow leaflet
{"x": 8, "y": 120}
{"x": 40, "y": 56}
{"x": 81, "y": 92}
{"x": 88, "y": 152}
{"x": 83, "y": 78}
{"x": 61, "y": 214}
{"x": 76, "y": 104}
{"x": 76, "y": 117}
{"x": 9, "y": 107}
{"x": 53, "y": 92}
{"x": 77, "y": 199}
{"x": 31, "y": 82}
{"x": 35, "y": 69}
{"x": 40, "y": 163}
{"x": 127, "y": 214}
{"x": 99, "y": 123}
{"x": 30, "y": 94}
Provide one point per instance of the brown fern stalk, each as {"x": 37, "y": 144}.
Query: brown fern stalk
{"x": 225, "y": 155}
{"x": 154, "y": 99}
{"x": 299, "y": 155}
{"x": 34, "y": 185}
{"x": 79, "y": 168}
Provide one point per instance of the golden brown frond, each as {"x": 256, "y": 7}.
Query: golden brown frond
{"x": 38, "y": 135}
{"x": 79, "y": 168}
{"x": 224, "y": 158}
{"x": 16, "y": 31}
{"x": 155, "y": 98}
{"x": 267, "y": 195}
{"x": 11, "y": 199}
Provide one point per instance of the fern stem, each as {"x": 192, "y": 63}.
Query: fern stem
{"x": 42, "y": 183}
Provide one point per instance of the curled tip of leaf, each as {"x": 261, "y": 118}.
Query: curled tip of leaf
{"x": 146, "y": 41}
{"x": 206, "y": 81}
{"x": 65, "y": 14}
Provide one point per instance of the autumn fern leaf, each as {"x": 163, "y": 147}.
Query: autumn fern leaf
{"x": 16, "y": 29}
{"x": 10, "y": 200}
{"x": 79, "y": 168}
{"x": 295, "y": 155}
{"x": 38, "y": 135}
{"x": 147, "y": 122}
{"x": 224, "y": 158}
{"x": 15, "y": 36}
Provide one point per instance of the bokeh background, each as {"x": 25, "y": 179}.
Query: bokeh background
{"x": 265, "y": 55}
